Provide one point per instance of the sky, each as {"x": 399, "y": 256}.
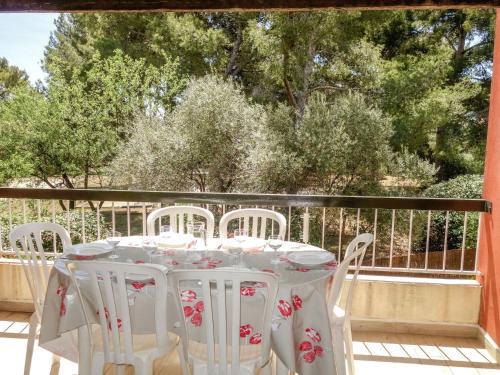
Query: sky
{"x": 23, "y": 38}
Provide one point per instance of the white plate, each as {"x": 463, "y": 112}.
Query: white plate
{"x": 310, "y": 258}
{"x": 88, "y": 249}
{"x": 250, "y": 243}
{"x": 175, "y": 241}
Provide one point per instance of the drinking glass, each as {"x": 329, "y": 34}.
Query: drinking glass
{"x": 275, "y": 241}
{"x": 198, "y": 231}
{"x": 240, "y": 236}
{"x": 166, "y": 231}
{"x": 113, "y": 238}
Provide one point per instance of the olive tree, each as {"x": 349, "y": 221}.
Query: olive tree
{"x": 203, "y": 144}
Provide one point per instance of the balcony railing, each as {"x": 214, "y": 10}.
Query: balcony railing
{"x": 412, "y": 235}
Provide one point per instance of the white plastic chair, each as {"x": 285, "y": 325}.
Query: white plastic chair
{"x": 340, "y": 317}
{"x": 251, "y": 217}
{"x": 114, "y": 342}
{"x": 178, "y": 216}
{"x": 33, "y": 260}
{"x": 223, "y": 353}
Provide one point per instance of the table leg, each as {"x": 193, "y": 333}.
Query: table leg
{"x": 281, "y": 369}
{"x": 84, "y": 355}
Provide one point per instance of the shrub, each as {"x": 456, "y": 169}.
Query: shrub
{"x": 75, "y": 225}
{"x": 464, "y": 187}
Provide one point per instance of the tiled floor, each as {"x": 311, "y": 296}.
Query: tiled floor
{"x": 375, "y": 353}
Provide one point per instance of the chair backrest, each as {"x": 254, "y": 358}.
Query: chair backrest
{"x": 106, "y": 284}
{"x": 355, "y": 252}
{"x": 179, "y": 217}
{"x": 27, "y": 241}
{"x": 214, "y": 285}
{"x": 250, "y": 217}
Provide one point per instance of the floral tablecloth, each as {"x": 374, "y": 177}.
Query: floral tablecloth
{"x": 301, "y": 335}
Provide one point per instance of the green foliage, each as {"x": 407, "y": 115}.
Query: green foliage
{"x": 10, "y": 78}
{"x": 464, "y": 187}
{"x": 348, "y": 98}
{"x": 204, "y": 143}
{"x": 75, "y": 127}
{"x": 338, "y": 147}
{"x": 76, "y": 227}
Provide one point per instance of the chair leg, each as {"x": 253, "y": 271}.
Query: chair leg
{"x": 56, "y": 364}
{"x": 97, "y": 365}
{"x": 182, "y": 360}
{"x": 281, "y": 369}
{"x": 339, "y": 350}
{"x": 349, "y": 355}
{"x": 143, "y": 368}
{"x": 31, "y": 343}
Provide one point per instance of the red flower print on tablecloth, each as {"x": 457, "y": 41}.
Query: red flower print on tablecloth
{"x": 284, "y": 308}
{"x": 188, "y": 295}
{"x": 194, "y": 311}
{"x": 313, "y": 334}
{"x": 118, "y": 323}
{"x": 246, "y": 330}
{"x": 305, "y": 346}
{"x": 309, "y": 357}
{"x": 256, "y": 339}
{"x": 106, "y": 313}
{"x": 247, "y": 291}
{"x": 207, "y": 263}
{"x": 297, "y": 302}
{"x": 197, "y": 319}
{"x": 138, "y": 285}
{"x": 61, "y": 291}
{"x": 268, "y": 270}
{"x": 302, "y": 269}
{"x": 330, "y": 266}
{"x": 199, "y": 306}
{"x": 172, "y": 262}
{"x": 83, "y": 257}
{"x": 310, "y": 350}
{"x": 188, "y": 311}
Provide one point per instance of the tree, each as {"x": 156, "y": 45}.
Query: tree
{"x": 72, "y": 131}
{"x": 204, "y": 143}
{"x": 10, "y": 78}
{"x": 335, "y": 147}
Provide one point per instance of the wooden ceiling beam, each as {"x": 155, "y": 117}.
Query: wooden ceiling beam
{"x": 230, "y": 5}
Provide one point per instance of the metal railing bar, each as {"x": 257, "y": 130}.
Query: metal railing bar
{"x": 375, "y": 218}
{"x": 464, "y": 239}
{"x": 128, "y": 218}
{"x": 478, "y": 238}
{"x": 98, "y": 208}
{"x": 54, "y": 237}
{"x": 391, "y": 250}
{"x": 113, "y": 218}
{"x": 476, "y": 205}
{"x": 445, "y": 245}
{"x": 323, "y": 219}
{"x": 341, "y": 228}
{"x": 289, "y": 221}
{"x": 427, "y": 240}
{"x": 84, "y": 239}
{"x": 410, "y": 239}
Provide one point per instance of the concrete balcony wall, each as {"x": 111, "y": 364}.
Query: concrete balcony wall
{"x": 410, "y": 299}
